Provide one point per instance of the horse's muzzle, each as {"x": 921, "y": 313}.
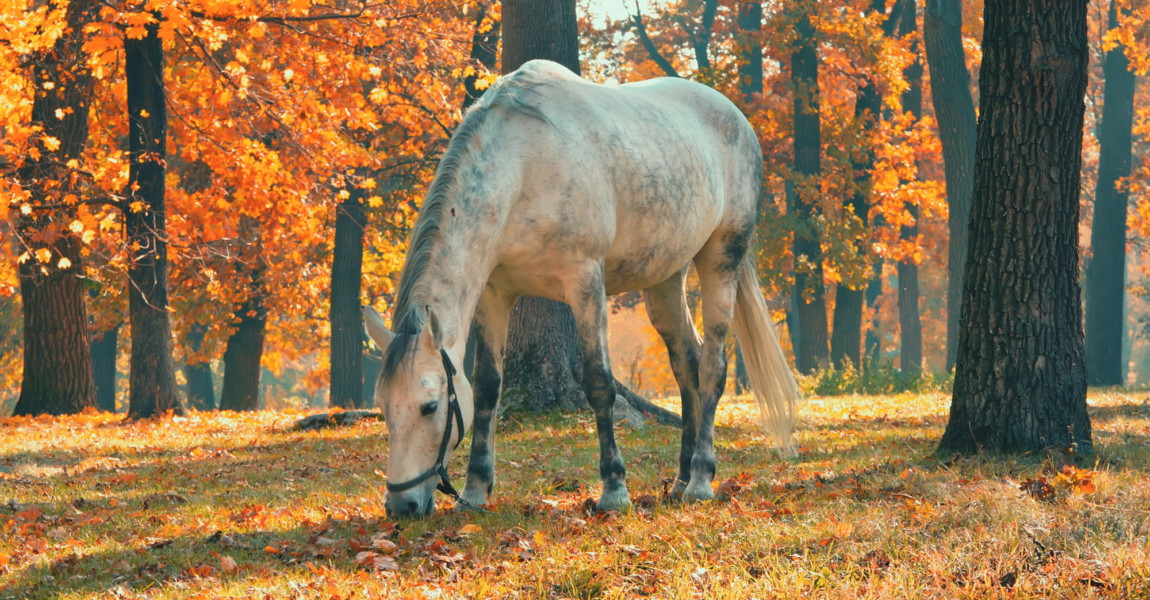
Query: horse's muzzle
{"x": 409, "y": 505}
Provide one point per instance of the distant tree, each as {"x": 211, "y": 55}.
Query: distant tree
{"x": 910, "y": 323}
{"x": 1106, "y": 270}
{"x": 346, "y": 349}
{"x": 954, "y": 113}
{"x": 198, "y": 370}
{"x": 808, "y": 301}
{"x": 104, "y": 350}
{"x": 245, "y": 346}
{"x": 1020, "y": 381}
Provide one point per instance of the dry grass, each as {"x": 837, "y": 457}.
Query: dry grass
{"x": 237, "y": 506}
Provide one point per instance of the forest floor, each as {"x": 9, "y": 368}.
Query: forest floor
{"x": 240, "y": 506}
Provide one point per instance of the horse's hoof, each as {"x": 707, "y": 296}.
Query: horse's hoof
{"x": 618, "y": 501}
{"x": 698, "y": 492}
{"x": 675, "y": 494}
{"x": 469, "y": 502}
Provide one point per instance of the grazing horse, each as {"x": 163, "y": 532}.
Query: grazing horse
{"x": 556, "y": 187}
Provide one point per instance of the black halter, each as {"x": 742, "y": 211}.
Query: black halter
{"x": 454, "y": 419}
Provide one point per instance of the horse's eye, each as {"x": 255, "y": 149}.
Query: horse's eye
{"x": 429, "y": 408}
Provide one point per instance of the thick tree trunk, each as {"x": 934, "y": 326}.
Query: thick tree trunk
{"x": 542, "y": 364}
{"x": 1106, "y": 271}
{"x": 152, "y": 376}
{"x": 954, "y": 113}
{"x": 910, "y": 324}
{"x": 346, "y": 382}
{"x": 245, "y": 348}
{"x": 811, "y": 349}
{"x": 198, "y": 371}
{"x": 57, "y": 375}
{"x": 104, "y": 350}
{"x": 1020, "y": 380}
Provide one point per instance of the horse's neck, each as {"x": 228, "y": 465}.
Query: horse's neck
{"x": 464, "y": 253}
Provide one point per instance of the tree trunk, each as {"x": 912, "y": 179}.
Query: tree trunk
{"x": 1106, "y": 271}
{"x": 198, "y": 371}
{"x": 152, "y": 377}
{"x": 372, "y": 364}
{"x": 954, "y": 113}
{"x": 1020, "y": 380}
{"x": 346, "y": 315}
{"x": 846, "y": 333}
{"x": 910, "y": 325}
{"x": 542, "y": 364}
{"x": 104, "y": 350}
{"x": 245, "y": 348}
{"x": 750, "y": 23}
{"x": 811, "y": 349}
{"x": 484, "y": 45}
{"x": 57, "y": 375}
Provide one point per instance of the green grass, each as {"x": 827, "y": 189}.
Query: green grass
{"x": 239, "y": 506}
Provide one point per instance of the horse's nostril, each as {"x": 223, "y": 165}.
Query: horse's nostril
{"x": 412, "y": 507}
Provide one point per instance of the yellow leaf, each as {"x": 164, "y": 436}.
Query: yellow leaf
{"x": 60, "y": 114}
{"x": 76, "y": 227}
{"x": 43, "y": 255}
{"x": 64, "y": 263}
{"x": 144, "y": 114}
{"x": 470, "y": 528}
{"x": 51, "y": 143}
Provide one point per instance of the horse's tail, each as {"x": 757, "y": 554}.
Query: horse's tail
{"x": 773, "y": 384}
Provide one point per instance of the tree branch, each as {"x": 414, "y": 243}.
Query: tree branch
{"x": 637, "y": 21}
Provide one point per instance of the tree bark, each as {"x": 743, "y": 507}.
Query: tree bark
{"x": 198, "y": 371}
{"x": 1020, "y": 380}
{"x": 910, "y": 324}
{"x": 242, "y": 371}
{"x": 346, "y": 382}
{"x": 954, "y": 113}
{"x": 542, "y": 363}
{"x": 1106, "y": 271}
{"x": 750, "y": 23}
{"x": 57, "y": 376}
{"x": 104, "y": 350}
{"x": 807, "y": 296}
{"x": 152, "y": 377}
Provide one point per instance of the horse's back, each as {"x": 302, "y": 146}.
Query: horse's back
{"x": 638, "y": 176}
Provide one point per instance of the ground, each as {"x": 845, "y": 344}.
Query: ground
{"x": 239, "y": 506}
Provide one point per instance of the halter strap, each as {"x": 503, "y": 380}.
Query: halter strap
{"x": 454, "y": 419}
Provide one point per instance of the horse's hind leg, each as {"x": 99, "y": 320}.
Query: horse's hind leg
{"x": 666, "y": 304}
{"x": 589, "y": 305}
{"x": 491, "y": 333}
{"x": 718, "y": 283}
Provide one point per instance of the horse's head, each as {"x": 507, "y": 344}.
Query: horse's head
{"x": 424, "y": 422}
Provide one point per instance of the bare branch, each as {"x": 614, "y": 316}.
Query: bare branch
{"x": 637, "y": 21}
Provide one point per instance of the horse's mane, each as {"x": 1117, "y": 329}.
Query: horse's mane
{"x": 513, "y": 93}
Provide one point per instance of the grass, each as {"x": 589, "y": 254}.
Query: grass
{"x": 238, "y": 506}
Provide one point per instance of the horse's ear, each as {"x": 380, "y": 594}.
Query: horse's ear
{"x": 432, "y": 334}
{"x": 376, "y": 330}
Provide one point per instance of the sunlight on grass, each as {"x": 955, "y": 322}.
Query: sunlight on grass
{"x": 240, "y": 506}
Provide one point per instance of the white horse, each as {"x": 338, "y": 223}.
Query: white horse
{"x": 556, "y": 187}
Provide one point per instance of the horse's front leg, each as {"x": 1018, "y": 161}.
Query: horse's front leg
{"x": 491, "y": 333}
{"x": 589, "y": 306}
